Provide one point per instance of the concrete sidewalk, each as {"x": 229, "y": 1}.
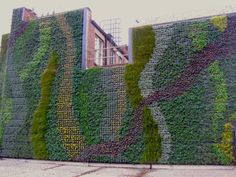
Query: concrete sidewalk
{"x": 35, "y": 168}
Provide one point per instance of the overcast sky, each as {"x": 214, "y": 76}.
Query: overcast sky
{"x": 145, "y": 11}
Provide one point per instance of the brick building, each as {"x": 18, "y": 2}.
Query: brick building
{"x": 99, "y": 48}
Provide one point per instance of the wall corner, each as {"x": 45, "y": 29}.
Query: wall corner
{"x": 85, "y": 38}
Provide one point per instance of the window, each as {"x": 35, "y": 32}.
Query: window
{"x": 99, "y": 45}
{"x": 112, "y": 56}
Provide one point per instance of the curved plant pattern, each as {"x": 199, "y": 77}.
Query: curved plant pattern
{"x": 175, "y": 103}
{"x": 45, "y": 38}
{"x": 146, "y": 86}
{"x": 71, "y": 138}
{"x": 199, "y": 62}
{"x": 40, "y": 114}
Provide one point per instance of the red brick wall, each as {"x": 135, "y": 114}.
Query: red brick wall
{"x": 28, "y": 15}
{"x": 91, "y": 44}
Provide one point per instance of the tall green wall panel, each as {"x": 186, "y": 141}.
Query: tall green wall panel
{"x": 175, "y": 104}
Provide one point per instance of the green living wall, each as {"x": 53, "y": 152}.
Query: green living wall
{"x": 175, "y": 104}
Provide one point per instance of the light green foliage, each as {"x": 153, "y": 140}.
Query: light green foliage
{"x": 45, "y": 37}
{"x": 220, "y": 22}
{"x": 3, "y": 55}
{"x": 5, "y": 103}
{"x": 5, "y": 115}
{"x": 26, "y": 45}
{"x": 143, "y": 45}
{"x": 220, "y": 103}
{"x": 40, "y": 115}
{"x": 226, "y": 143}
{"x": 152, "y": 139}
{"x": 198, "y": 33}
{"x": 221, "y": 94}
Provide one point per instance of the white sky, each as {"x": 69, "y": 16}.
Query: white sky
{"x": 145, "y": 11}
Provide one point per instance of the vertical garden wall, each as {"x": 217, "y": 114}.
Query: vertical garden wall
{"x": 175, "y": 104}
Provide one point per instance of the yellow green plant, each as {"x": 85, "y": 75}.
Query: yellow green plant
{"x": 40, "y": 115}
{"x": 227, "y": 140}
{"x": 220, "y": 22}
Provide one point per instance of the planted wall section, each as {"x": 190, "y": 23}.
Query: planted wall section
{"x": 175, "y": 104}
{"x": 189, "y": 86}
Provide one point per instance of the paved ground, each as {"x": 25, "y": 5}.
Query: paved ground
{"x": 34, "y": 168}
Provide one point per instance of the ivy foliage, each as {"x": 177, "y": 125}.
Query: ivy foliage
{"x": 143, "y": 45}
{"x": 40, "y": 114}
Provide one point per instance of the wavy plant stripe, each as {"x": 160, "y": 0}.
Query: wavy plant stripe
{"x": 143, "y": 46}
{"x": 45, "y": 38}
{"x": 226, "y": 144}
{"x": 188, "y": 76}
{"x": 220, "y": 22}
{"x": 221, "y": 95}
{"x": 117, "y": 77}
{"x": 70, "y": 134}
{"x": 40, "y": 115}
{"x": 54, "y": 144}
{"x": 146, "y": 86}
{"x": 113, "y": 85}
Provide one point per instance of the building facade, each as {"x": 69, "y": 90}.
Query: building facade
{"x": 99, "y": 48}
{"x": 175, "y": 103}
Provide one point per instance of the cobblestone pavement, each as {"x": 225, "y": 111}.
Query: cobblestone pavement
{"x": 35, "y": 168}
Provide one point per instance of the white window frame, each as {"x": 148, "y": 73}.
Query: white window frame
{"x": 112, "y": 56}
{"x": 99, "y": 51}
